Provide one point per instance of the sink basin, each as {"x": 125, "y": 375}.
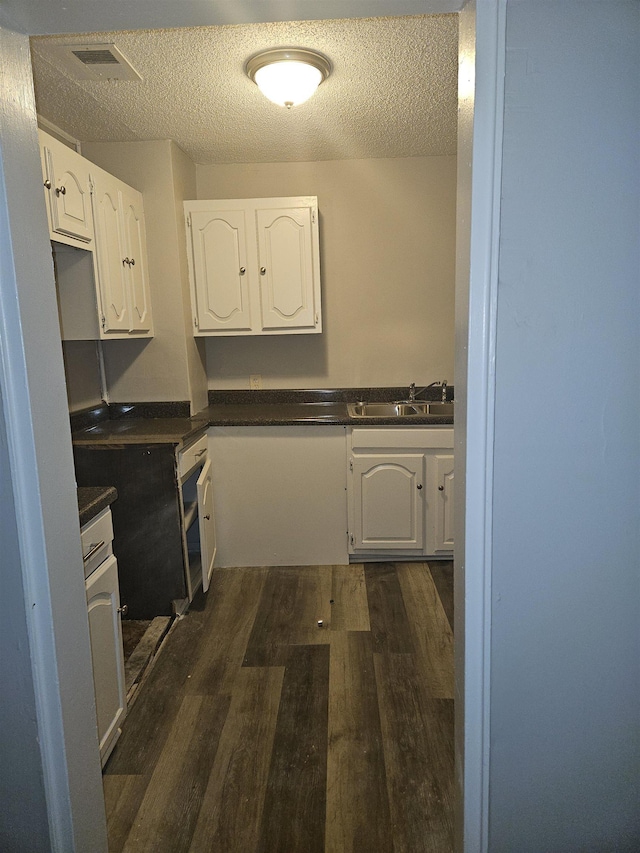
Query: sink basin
{"x": 400, "y": 409}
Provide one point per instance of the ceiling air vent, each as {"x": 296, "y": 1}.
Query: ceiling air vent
{"x": 95, "y": 62}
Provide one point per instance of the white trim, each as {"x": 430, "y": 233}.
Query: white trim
{"x": 483, "y": 292}
{"x": 14, "y": 387}
{"x": 59, "y": 133}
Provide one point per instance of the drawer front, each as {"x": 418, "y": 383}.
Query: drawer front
{"x": 194, "y": 454}
{"x": 96, "y": 538}
{"x": 402, "y": 438}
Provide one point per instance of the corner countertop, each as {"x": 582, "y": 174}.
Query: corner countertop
{"x": 119, "y": 424}
{"x": 93, "y": 499}
{"x": 140, "y": 431}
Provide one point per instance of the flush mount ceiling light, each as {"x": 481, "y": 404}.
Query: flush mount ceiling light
{"x": 288, "y": 75}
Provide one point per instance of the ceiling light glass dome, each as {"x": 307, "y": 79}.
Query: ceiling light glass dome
{"x": 288, "y": 76}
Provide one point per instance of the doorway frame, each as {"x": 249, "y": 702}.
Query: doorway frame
{"x": 32, "y": 478}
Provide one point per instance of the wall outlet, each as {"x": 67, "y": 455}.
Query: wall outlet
{"x": 255, "y": 382}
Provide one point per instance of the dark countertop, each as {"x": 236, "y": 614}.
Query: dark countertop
{"x": 93, "y": 499}
{"x": 141, "y": 431}
{"x": 125, "y": 424}
{"x": 110, "y": 425}
{"x": 274, "y": 414}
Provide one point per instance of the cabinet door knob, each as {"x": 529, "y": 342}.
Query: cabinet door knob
{"x": 126, "y": 261}
{"x": 243, "y": 270}
{"x": 441, "y": 488}
{"x": 124, "y": 609}
{"x": 263, "y": 270}
{"x": 47, "y": 184}
{"x": 61, "y": 191}
{"x": 419, "y": 486}
{"x": 208, "y": 517}
{"x": 132, "y": 262}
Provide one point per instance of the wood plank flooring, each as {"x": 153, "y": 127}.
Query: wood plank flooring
{"x": 257, "y": 731}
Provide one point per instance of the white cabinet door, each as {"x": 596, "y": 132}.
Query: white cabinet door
{"x": 106, "y": 651}
{"x": 111, "y": 272}
{"x": 219, "y": 271}
{"x": 285, "y": 265}
{"x": 68, "y": 192}
{"x": 254, "y": 266}
{"x": 121, "y": 258}
{"x": 135, "y": 259}
{"x": 206, "y": 521}
{"x": 388, "y": 502}
{"x": 443, "y": 503}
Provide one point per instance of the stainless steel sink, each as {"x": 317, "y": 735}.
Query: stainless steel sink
{"x": 399, "y": 409}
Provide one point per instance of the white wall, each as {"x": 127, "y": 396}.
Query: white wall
{"x": 82, "y": 374}
{"x": 387, "y": 235}
{"x": 47, "y": 703}
{"x": 161, "y": 368}
{"x": 565, "y": 742}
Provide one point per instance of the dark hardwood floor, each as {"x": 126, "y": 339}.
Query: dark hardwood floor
{"x": 259, "y": 731}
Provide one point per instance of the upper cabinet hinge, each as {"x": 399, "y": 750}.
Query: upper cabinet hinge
{"x": 313, "y": 214}
{"x": 195, "y": 322}
{"x": 92, "y": 188}
{"x": 188, "y": 220}
{"x": 351, "y": 464}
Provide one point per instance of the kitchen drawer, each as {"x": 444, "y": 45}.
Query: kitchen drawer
{"x": 96, "y": 537}
{"x": 192, "y": 456}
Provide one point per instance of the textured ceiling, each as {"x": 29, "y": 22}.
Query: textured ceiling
{"x": 392, "y": 92}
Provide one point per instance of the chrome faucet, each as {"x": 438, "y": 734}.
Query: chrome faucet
{"x": 413, "y": 394}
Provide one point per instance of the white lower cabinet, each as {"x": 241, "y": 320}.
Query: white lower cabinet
{"x": 400, "y": 491}
{"x": 443, "y": 502}
{"x": 388, "y": 502}
{"x": 280, "y": 495}
{"x": 198, "y": 518}
{"x": 105, "y": 631}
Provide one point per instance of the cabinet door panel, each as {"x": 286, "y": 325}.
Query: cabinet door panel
{"x": 222, "y": 278}
{"x": 110, "y": 253}
{"x": 206, "y": 521}
{"x": 136, "y": 269}
{"x": 444, "y": 503}
{"x": 70, "y": 199}
{"x": 105, "y": 633}
{"x": 286, "y": 268}
{"x": 388, "y": 502}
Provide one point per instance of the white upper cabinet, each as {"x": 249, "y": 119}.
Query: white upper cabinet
{"x": 218, "y": 271}
{"x": 90, "y": 209}
{"x": 135, "y": 258}
{"x": 121, "y": 258}
{"x": 254, "y": 266}
{"x": 67, "y": 192}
